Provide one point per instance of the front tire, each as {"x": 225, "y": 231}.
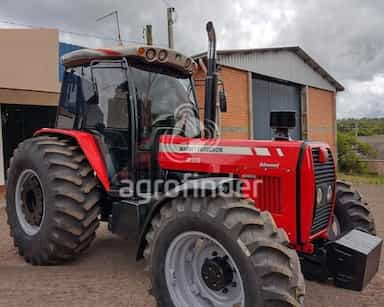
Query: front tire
{"x": 52, "y": 200}
{"x": 193, "y": 240}
{"x": 351, "y": 212}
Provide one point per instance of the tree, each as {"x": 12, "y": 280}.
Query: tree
{"x": 361, "y": 126}
{"x": 352, "y": 152}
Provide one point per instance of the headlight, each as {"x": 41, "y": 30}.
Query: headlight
{"x": 150, "y": 54}
{"x": 319, "y": 196}
{"x": 163, "y": 54}
{"x": 329, "y": 193}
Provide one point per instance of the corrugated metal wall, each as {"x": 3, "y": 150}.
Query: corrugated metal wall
{"x": 284, "y": 64}
{"x": 271, "y": 96}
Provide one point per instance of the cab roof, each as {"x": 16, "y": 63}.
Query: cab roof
{"x": 159, "y": 58}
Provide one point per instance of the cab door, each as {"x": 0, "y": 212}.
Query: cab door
{"x": 112, "y": 118}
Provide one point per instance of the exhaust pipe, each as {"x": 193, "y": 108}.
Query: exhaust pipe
{"x": 210, "y": 85}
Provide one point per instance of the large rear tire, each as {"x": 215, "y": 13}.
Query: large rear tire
{"x": 190, "y": 239}
{"x": 351, "y": 212}
{"x": 52, "y": 200}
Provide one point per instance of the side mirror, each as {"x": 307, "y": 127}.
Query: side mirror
{"x": 223, "y": 101}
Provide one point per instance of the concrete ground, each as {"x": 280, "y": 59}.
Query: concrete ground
{"x": 107, "y": 275}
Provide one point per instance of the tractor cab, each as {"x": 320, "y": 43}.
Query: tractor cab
{"x": 128, "y": 97}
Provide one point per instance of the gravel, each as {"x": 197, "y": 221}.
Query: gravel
{"x": 108, "y": 275}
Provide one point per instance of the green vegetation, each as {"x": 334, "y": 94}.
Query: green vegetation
{"x": 367, "y": 178}
{"x": 362, "y": 126}
{"x": 351, "y": 152}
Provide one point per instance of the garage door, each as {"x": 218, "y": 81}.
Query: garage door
{"x": 273, "y": 96}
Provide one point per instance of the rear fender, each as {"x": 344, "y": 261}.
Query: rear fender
{"x": 90, "y": 148}
{"x": 196, "y": 185}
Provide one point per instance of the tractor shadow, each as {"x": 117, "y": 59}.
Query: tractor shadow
{"x": 111, "y": 250}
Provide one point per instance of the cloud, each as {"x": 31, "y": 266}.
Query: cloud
{"x": 363, "y": 97}
{"x": 239, "y": 24}
{"x": 344, "y": 36}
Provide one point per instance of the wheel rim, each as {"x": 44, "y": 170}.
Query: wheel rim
{"x": 201, "y": 273}
{"x": 29, "y": 201}
{"x": 334, "y": 229}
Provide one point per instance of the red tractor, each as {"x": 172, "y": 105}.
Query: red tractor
{"x": 219, "y": 222}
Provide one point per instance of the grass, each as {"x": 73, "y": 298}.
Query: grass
{"x": 357, "y": 178}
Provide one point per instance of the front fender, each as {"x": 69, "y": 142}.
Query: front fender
{"x": 90, "y": 148}
{"x": 207, "y": 185}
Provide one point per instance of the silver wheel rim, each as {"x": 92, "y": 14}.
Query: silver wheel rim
{"x": 28, "y": 227}
{"x": 335, "y": 228}
{"x": 183, "y": 271}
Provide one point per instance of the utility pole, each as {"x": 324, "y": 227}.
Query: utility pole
{"x": 116, "y": 14}
{"x": 148, "y": 34}
{"x": 171, "y": 21}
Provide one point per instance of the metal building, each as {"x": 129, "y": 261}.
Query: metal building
{"x": 258, "y": 81}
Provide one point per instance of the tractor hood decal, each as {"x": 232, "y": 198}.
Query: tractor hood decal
{"x": 226, "y": 156}
{"x": 191, "y": 148}
{"x": 269, "y": 165}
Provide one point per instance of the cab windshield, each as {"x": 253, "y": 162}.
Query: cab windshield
{"x": 165, "y": 102}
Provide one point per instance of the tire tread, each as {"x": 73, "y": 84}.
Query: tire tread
{"x": 75, "y": 214}
{"x": 273, "y": 261}
{"x": 351, "y": 210}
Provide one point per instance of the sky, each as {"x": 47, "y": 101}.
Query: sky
{"x": 343, "y": 36}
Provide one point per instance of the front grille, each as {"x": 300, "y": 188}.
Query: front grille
{"x": 324, "y": 176}
{"x": 321, "y": 218}
{"x": 269, "y": 194}
{"x": 324, "y": 172}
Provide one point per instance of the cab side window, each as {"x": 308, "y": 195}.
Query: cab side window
{"x": 77, "y": 90}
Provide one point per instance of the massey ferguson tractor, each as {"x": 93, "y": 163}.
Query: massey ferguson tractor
{"x": 219, "y": 222}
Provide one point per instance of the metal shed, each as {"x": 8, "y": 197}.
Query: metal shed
{"x": 259, "y": 81}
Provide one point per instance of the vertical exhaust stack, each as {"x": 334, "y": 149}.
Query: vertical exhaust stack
{"x": 210, "y": 85}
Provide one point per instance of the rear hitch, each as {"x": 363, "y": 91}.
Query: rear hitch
{"x": 351, "y": 261}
